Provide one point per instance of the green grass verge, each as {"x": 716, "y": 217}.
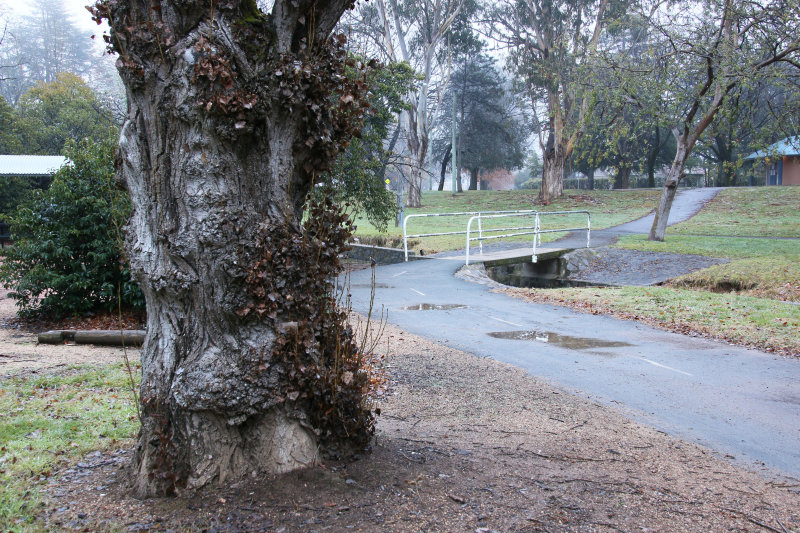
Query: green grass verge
{"x": 764, "y": 324}
{"x": 747, "y": 211}
{"x": 48, "y": 421}
{"x": 762, "y": 268}
{"x": 607, "y": 208}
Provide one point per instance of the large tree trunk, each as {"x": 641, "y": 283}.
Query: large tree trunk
{"x": 225, "y": 130}
{"x": 590, "y": 179}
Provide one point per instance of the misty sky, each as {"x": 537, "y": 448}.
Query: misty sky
{"x": 77, "y": 9}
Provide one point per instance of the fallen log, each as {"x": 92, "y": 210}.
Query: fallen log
{"x": 57, "y": 336}
{"x": 105, "y": 337}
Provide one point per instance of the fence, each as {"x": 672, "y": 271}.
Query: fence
{"x": 537, "y": 230}
{"x": 515, "y": 231}
{"x": 406, "y": 236}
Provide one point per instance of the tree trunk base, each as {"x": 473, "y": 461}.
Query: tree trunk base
{"x": 215, "y": 451}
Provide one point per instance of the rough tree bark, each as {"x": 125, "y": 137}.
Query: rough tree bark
{"x": 554, "y": 159}
{"x": 230, "y": 116}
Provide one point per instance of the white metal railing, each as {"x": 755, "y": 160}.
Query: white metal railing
{"x": 406, "y": 236}
{"x": 536, "y": 229}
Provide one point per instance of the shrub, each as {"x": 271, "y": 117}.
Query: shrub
{"x": 66, "y": 257}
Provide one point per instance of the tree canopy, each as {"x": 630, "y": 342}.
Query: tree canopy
{"x": 51, "y": 113}
{"x": 358, "y": 175}
{"x": 489, "y": 133}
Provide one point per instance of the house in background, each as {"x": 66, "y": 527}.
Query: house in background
{"x": 782, "y": 160}
{"x": 39, "y": 169}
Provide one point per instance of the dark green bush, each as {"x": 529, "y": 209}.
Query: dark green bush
{"x": 66, "y": 257}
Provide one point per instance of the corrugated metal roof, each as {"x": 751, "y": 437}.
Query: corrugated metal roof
{"x": 788, "y": 146}
{"x": 30, "y": 165}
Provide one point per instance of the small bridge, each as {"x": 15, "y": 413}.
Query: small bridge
{"x": 524, "y": 223}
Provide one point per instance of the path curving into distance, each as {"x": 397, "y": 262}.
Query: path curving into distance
{"x": 687, "y": 203}
{"x": 739, "y": 402}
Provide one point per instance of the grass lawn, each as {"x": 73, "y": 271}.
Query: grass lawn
{"x": 48, "y": 421}
{"x": 746, "y": 301}
{"x": 762, "y": 268}
{"x": 607, "y": 208}
{"x": 747, "y": 211}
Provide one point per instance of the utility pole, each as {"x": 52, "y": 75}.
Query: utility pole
{"x": 453, "y": 148}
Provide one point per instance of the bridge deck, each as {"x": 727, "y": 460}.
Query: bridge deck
{"x": 507, "y": 257}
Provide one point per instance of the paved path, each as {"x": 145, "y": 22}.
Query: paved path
{"x": 740, "y": 402}
{"x": 686, "y": 204}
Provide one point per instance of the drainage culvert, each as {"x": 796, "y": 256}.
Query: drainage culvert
{"x": 547, "y": 273}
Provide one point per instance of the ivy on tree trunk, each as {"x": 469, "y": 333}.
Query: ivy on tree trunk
{"x": 232, "y": 113}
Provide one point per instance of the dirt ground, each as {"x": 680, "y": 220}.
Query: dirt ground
{"x": 463, "y": 444}
{"x": 19, "y": 350}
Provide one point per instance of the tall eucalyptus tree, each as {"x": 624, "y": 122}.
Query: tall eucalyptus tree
{"x": 551, "y": 43}
{"x": 415, "y": 31}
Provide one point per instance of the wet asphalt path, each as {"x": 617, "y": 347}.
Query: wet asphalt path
{"x": 740, "y": 402}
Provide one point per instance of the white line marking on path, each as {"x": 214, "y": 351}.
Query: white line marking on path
{"x": 420, "y": 293}
{"x": 401, "y": 273}
{"x": 505, "y": 321}
{"x": 665, "y": 366}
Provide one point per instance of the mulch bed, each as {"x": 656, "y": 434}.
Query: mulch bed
{"x": 99, "y": 320}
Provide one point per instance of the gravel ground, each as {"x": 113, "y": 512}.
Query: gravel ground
{"x": 463, "y": 444}
{"x": 618, "y": 266}
{"x": 20, "y": 351}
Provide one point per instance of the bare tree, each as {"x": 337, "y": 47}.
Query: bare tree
{"x": 712, "y": 47}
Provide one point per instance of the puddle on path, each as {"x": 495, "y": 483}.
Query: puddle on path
{"x": 434, "y": 307}
{"x": 369, "y": 285}
{"x": 562, "y": 341}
